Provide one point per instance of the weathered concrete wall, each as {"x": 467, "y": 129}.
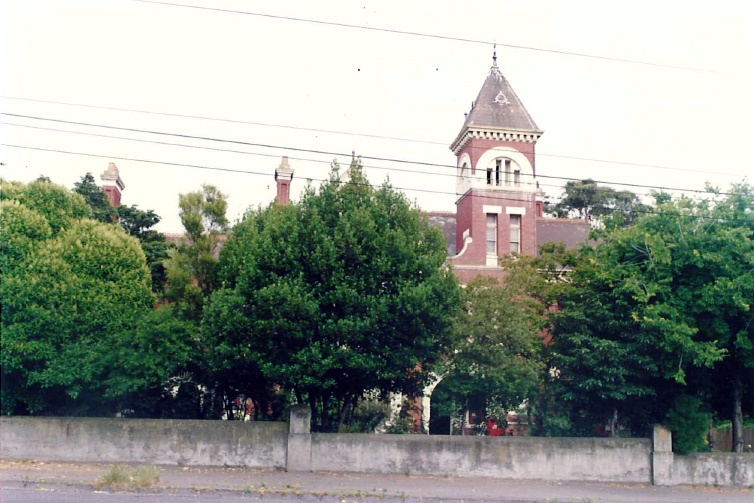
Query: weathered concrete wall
{"x": 590, "y": 459}
{"x": 713, "y": 469}
{"x": 291, "y": 446}
{"x": 702, "y": 469}
{"x": 183, "y": 442}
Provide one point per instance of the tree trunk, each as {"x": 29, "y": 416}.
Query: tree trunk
{"x": 463, "y": 417}
{"x": 343, "y": 412}
{"x": 228, "y": 407}
{"x": 738, "y": 420}
{"x": 326, "y": 420}
{"x": 314, "y": 415}
{"x": 614, "y": 423}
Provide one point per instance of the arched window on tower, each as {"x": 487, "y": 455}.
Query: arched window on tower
{"x": 465, "y": 172}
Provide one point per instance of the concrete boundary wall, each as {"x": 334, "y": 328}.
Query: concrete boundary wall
{"x": 562, "y": 459}
{"x": 291, "y": 446}
{"x": 725, "y": 469}
{"x": 158, "y": 441}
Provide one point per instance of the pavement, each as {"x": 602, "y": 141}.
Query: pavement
{"x": 349, "y": 487}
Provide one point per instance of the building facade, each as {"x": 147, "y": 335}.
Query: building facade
{"x": 499, "y": 205}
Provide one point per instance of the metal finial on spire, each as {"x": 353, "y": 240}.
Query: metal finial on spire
{"x": 494, "y": 54}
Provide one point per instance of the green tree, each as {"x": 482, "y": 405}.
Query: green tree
{"x": 191, "y": 266}
{"x": 662, "y": 307}
{"x": 96, "y": 198}
{"x": 144, "y": 365}
{"x": 586, "y": 199}
{"x": 68, "y": 282}
{"x": 138, "y": 223}
{"x": 58, "y": 206}
{"x": 539, "y": 282}
{"x": 496, "y": 357}
{"x": 720, "y": 296}
{"x": 689, "y": 424}
{"x": 343, "y": 292}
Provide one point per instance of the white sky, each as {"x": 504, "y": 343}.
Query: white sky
{"x": 159, "y": 58}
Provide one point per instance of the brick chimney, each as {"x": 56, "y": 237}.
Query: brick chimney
{"x": 112, "y": 184}
{"x": 283, "y": 176}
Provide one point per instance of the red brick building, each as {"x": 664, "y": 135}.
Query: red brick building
{"x": 499, "y": 205}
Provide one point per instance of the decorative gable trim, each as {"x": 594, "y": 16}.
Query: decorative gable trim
{"x": 493, "y": 134}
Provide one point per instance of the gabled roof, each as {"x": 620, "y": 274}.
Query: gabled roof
{"x": 446, "y": 221}
{"x": 498, "y": 108}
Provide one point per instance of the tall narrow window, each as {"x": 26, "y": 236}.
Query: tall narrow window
{"x": 507, "y": 172}
{"x": 517, "y": 178}
{"x": 515, "y": 234}
{"x": 497, "y": 172}
{"x": 491, "y": 234}
{"x": 489, "y": 176}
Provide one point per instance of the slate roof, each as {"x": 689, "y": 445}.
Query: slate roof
{"x": 446, "y": 220}
{"x": 497, "y": 106}
{"x": 572, "y": 233}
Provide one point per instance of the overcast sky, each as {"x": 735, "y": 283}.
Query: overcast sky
{"x": 688, "y": 113}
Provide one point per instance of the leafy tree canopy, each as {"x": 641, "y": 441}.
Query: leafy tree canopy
{"x": 343, "y": 292}
{"x": 58, "y": 206}
{"x": 586, "y": 199}
{"x": 96, "y": 198}
{"x": 661, "y": 306}
{"x": 138, "y": 223}
{"x": 67, "y": 283}
{"x": 497, "y": 356}
{"x": 191, "y": 267}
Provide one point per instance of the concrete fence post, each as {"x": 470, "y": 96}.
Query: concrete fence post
{"x": 299, "y": 457}
{"x": 662, "y": 456}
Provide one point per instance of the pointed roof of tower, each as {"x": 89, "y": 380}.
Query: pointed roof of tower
{"x": 497, "y": 108}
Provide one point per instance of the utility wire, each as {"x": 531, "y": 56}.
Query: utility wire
{"x": 427, "y": 35}
{"x": 347, "y": 133}
{"x": 260, "y": 154}
{"x": 298, "y": 149}
{"x": 408, "y": 189}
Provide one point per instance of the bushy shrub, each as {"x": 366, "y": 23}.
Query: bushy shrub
{"x": 366, "y": 417}
{"x": 688, "y": 422}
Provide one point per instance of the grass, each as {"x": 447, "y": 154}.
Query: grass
{"x": 122, "y": 478}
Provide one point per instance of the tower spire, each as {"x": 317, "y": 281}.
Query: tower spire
{"x": 494, "y": 54}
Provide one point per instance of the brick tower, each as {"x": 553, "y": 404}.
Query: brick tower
{"x": 498, "y": 198}
{"x": 283, "y": 177}
{"x": 112, "y": 184}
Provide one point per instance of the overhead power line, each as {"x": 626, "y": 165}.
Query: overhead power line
{"x": 426, "y": 35}
{"x": 349, "y": 133}
{"x": 260, "y": 154}
{"x": 257, "y": 173}
{"x": 323, "y": 152}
